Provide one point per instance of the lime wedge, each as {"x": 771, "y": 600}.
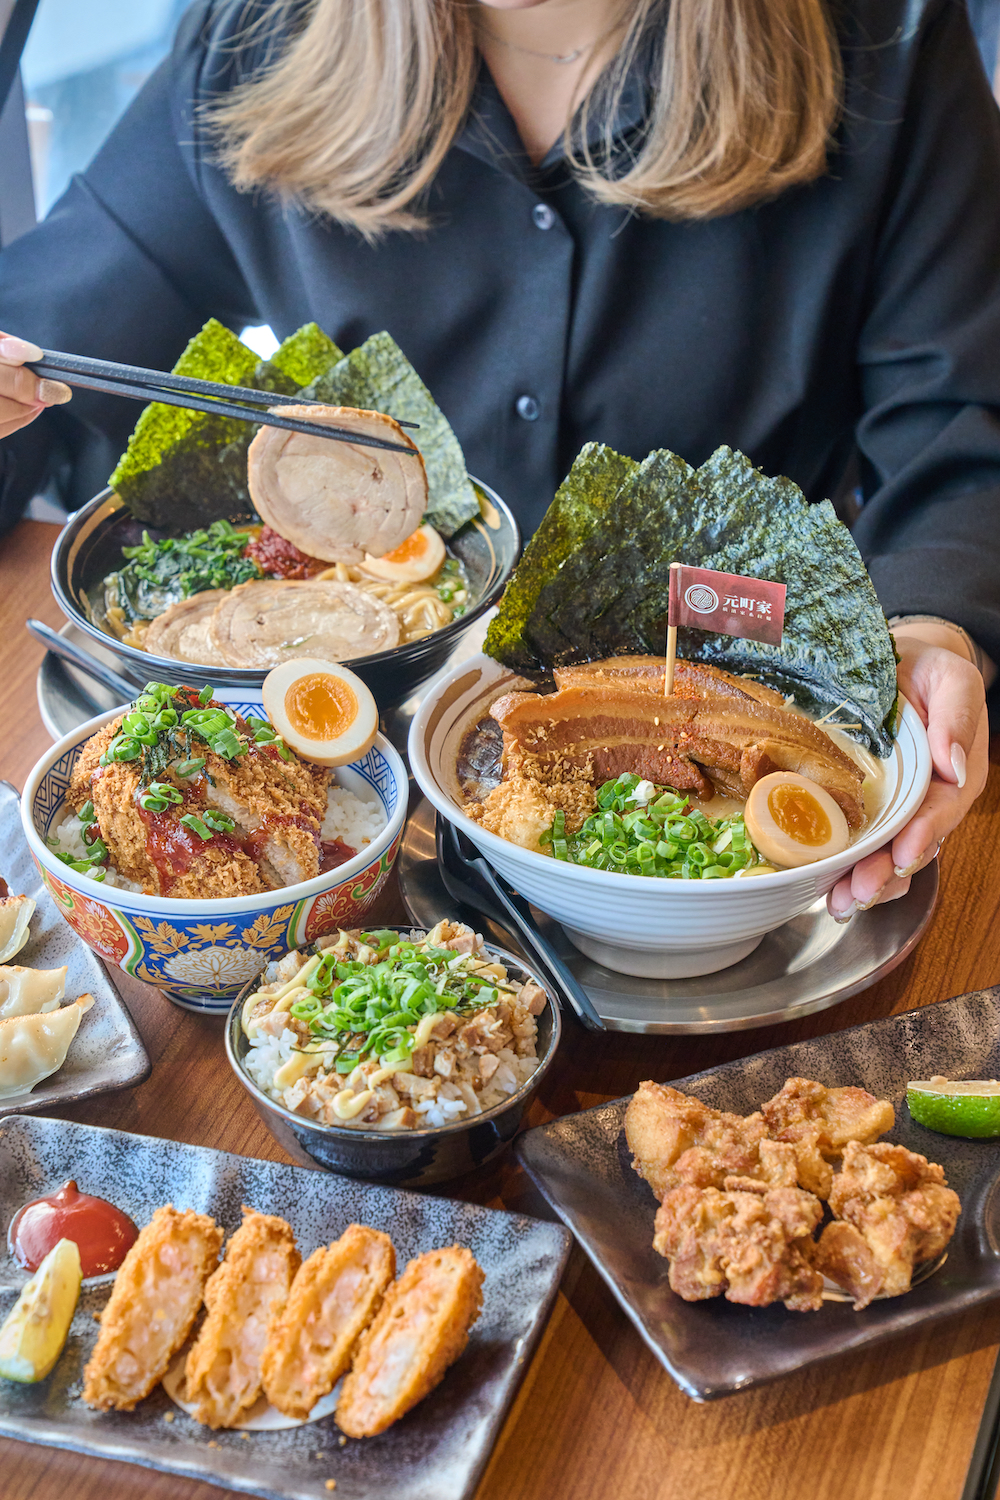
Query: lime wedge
{"x": 32, "y": 1338}
{"x": 969, "y": 1108}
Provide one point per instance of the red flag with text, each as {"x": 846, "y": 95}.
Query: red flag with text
{"x": 753, "y": 608}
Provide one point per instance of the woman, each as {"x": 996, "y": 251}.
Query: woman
{"x": 654, "y": 224}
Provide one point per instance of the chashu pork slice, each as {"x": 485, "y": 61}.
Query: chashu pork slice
{"x": 268, "y": 621}
{"x": 182, "y": 631}
{"x": 338, "y": 500}
{"x": 692, "y": 679}
{"x": 720, "y": 737}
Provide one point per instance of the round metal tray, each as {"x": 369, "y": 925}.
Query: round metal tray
{"x": 810, "y": 963}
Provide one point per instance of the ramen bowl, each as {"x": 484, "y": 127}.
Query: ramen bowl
{"x": 89, "y": 547}
{"x": 200, "y": 954}
{"x": 404, "y": 1158}
{"x": 656, "y": 928}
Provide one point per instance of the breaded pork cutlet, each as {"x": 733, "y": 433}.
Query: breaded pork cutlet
{"x": 152, "y": 1307}
{"x": 421, "y": 1328}
{"x": 276, "y": 807}
{"x": 333, "y": 1299}
{"x": 243, "y": 1297}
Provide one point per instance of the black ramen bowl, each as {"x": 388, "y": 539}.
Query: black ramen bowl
{"x": 401, "y": 1158}
{"x": 89, "y": 547}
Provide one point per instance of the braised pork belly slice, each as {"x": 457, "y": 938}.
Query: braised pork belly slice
{"x": 718, "y": 735}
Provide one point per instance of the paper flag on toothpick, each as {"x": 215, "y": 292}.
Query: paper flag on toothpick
{"x": 753, "y": 608}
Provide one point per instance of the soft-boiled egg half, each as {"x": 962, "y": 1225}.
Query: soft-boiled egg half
{"x": 792, "y": 821}
{"x": 321, "y": 710}
{"x": 417, "y": 558}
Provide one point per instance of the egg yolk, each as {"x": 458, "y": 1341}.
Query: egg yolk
{"x": 798, "y": 814}
{"x": 320, "y": 707}
{"x": 406, "y": 551}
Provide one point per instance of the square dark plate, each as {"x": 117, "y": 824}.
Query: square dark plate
{"x": 436, "y": 1452}
{"x": 583, "y": 1166}
{"x": 107, "y": 1051}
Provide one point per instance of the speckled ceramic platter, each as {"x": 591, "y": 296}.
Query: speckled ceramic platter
{"x": 583, "y": 1166}
{"x": 810, "y": 963}
{"x": 436, "y": 1452}
{"x": 107, "y": 1051}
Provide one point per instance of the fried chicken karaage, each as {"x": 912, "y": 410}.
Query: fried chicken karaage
{"x": 740, "y": 1196}
{"x": 894, "y": 1209}
{"x": 751, "y": 1247}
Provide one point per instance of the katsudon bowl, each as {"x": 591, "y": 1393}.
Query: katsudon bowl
{"x": 200, "y": 954}
{"x": 402, "y": 1158}
{"x": 89, "y": 547}
{"x": 657, "y": 928}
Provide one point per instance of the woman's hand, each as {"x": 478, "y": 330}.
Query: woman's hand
{"x": 947, "y": 692}
{"x": 23, "y": 394}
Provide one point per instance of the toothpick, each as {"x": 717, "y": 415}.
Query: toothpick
{"x": 668, "y": 675}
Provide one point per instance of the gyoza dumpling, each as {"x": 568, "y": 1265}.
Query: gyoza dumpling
{"x": 27, "y": 992}
{"x": 32, "y": 1047}
{"x": 15, "y": 914}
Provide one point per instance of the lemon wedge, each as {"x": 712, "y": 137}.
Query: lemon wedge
{"x": 36, "y": 1328}
{"x": 969, "y": 1108}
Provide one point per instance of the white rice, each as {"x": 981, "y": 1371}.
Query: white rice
{"x": 354, "y": 820}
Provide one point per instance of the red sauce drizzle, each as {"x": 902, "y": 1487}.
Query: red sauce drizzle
{"x": 102, "y": 1233}
{"x": 279, "y": 558}
{"x": 334, "y": 853}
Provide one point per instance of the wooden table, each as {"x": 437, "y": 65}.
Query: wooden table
{"x": 596, "y": 1415}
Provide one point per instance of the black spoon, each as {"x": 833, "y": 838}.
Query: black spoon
{"x": 490, "y": 894}
{"x": 68, "y": 651}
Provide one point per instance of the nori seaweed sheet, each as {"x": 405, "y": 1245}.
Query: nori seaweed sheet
{"x": 377, "y": 376}
{"x": 611, "y": 595}
{"x": 179, "y": 470}
{"x": 585, "y": 496}
{"x": 184, "y": 469}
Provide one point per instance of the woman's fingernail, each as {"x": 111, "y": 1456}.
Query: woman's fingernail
{"x": 911, "y": 869}
{"x": 958, "y": 763}
{"x": 18, "y": 350}
{"x": 874, "y": 900}
{"x": 53, "y": 392}
{"x": 845, "y": 916}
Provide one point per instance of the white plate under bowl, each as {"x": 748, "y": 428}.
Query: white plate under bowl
{"x": 694, "y": 926}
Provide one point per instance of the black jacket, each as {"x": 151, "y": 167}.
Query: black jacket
{"x": 856, "y": 320}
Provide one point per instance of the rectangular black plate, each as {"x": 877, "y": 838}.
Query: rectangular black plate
{"x": 436, "y": 1452}
{"x": 583, "y": 1166}
{"x": 107, "y": 1051}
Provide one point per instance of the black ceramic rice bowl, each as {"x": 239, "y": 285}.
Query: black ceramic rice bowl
{"x": 89, "y": 547}
{"x": 401, "y": 1158}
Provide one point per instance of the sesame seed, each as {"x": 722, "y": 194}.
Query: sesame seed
{"x": 331, "y": 1484}
{"x": 168, "y": 1416}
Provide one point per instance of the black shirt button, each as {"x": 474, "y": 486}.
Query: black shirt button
{"x": 543, "y": 216}
{"x": 528, "y": 408}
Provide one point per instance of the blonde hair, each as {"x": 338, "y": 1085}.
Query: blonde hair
{"x": 362, "y": 105}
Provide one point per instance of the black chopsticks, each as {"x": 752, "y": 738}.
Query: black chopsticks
{"x": 235, "y": 401}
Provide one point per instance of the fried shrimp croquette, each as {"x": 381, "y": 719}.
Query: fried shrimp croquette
{"x": 246, "y": 1293}
{"x": 152, "y": 1307}
{"x": 333, "y": 1298}
{"x": 421, "y": 1328}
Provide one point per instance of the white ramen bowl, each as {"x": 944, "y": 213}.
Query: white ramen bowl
{"x": 665, "y": 929}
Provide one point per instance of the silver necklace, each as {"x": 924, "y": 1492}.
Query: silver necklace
{"x": 553, "y": 57}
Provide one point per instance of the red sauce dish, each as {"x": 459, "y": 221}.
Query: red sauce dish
{"x": 102, "y": 1233}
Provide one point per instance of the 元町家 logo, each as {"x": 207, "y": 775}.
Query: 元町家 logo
{"x": 702, "y": 599}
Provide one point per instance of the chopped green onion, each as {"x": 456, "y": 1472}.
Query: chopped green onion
{"x": 656, "y": 833}
{"x": 206, "y": 694}
{"x": 192, "y": 821}
{"x": 190, "y": 767}
{"x": 220, "y": 821}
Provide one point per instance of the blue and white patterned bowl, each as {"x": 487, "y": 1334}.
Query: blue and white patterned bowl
{"x": 202, "y": 953}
